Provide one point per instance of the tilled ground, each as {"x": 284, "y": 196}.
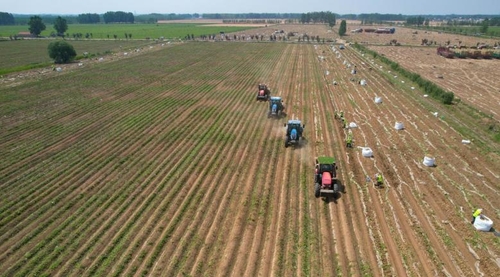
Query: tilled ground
{"x": 473, "y": 81}
{"x": 164, "y": 164}
{"x": 412, "y": 37}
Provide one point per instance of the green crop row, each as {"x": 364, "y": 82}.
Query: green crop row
{"x": 135, "y": 132}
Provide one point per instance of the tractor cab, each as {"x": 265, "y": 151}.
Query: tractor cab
{"x": 275, "y": 106}
{"x": 276, "y": 100}
{"x": 294, "y": 124}
{"x": 294, "y": 130}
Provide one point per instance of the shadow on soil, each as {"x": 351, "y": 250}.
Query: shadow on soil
{"x": 495, "y": 232}
{"x": 302, "y": 144}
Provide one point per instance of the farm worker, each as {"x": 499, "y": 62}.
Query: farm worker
{"x": 476, "y": 214}
{"x": 341, "y": 114}
{"x": 380, "y": 181}
{"x": 349, "y": 141}
{"x": 344, "y": 125}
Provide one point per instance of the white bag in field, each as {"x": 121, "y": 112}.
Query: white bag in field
{"x": 483, "y": 223}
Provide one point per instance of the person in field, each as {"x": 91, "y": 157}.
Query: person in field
{"x": 475, "y": 215}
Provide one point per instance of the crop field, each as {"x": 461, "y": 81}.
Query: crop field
{"x": 138, "y": 31}
{"x": 163, "y": 164}
{"x": 407, "y": 36}
{"x": 470, "y": 30}
{"x": 28, "y": 52}
{"x": 473, "y": 81}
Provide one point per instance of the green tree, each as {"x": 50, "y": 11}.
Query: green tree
{"x": 330, "y": 17}
{"x": 6, "y": 19}
{"x": 60, "y": 25}
{"x": 342, "y": 28}
{"x": 36, "y": 25}
{"x": 61, "y": 51}
{"x": 484, "y": 25}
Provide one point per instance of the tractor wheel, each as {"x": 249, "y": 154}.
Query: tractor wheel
{"x": 317, "y": 188}
{"x": 286, "y": 141}
{"x": 336, "y": 188}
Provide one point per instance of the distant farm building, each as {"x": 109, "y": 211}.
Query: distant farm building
{"x": 24, "y": 35}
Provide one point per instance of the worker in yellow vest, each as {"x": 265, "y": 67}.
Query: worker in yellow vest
{"x": 476, "y": 214}
{"x": 349, "y": 141}
{"x": 380, "y": 180}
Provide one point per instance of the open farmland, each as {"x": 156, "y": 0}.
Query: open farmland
{"x": 164, "y": 164}
{"x": 408, "y": 36}
{"x": 28, "y": 52}
{"x": 474, "y": 81}
{"x": 137, "y": 30}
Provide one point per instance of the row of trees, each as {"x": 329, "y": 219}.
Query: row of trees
{"x": 249, "y": 15}
{"x": 318, "y": 17}
{"x": 366, "y": 18}
{"x": 88, "y": 18}
{"x": 118, "y": 17}
{"x": 375, "y": 17}
{"x": 36, "y": 25}
{"x": 490, "y": 21}
{"x": 417, "y": 21}
{"x": 6, "y": 19}
{"x": 483, "y": 24}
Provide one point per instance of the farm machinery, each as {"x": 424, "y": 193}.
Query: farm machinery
{"x": 445, "y": 52}
{"x": 264, "y": 93}
{"x": 276, "y": 107}
{"x": 294, "y": 131}
{"x": 325, "y": 177}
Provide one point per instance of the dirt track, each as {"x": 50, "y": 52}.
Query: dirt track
{"x": 179, "y": 172}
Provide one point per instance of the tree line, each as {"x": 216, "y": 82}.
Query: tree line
{"x": 485, "y": 21}
{"x": 6, "y": 19}
{"x": 251, "y": 15}
{"x": 374, "y": 17}
{"x": 494, "y": 21}
{"x": 88, "y": 18}
{"x": 417, "y": 21}
{"x": 118, "y": 17}
{"x": 318, "y": 17}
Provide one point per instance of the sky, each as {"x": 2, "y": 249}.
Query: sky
{"x": 405, "y": 7}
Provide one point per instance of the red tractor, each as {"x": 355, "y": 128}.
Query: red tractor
{"x": 325, "y": 177}
{"x": 264, "y": 93}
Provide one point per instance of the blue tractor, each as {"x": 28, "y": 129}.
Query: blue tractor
{"x": 276, "y": 107}
{"x": 294, "y": 130}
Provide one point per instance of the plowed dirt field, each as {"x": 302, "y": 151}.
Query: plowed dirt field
{"x": 163, "y": 164}
{"x": 473, "y": 81}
